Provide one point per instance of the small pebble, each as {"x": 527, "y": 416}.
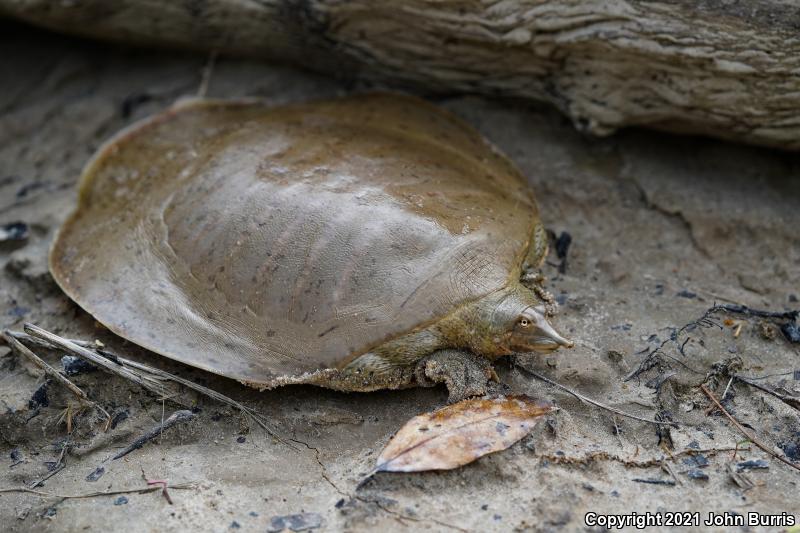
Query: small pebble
{"x": 14, "y": 232}
{"x": 122, "y": 500}
{"x": 791, "y": 449}
{"x": 696, "y": 473}
{"x": 698, "y": 461}
{"x": 39, "y": 397}
{"x": 75, "y": 365}
{"x": 759, "y": 464}
{"x": 241, "y": 439}
{"x": 295, "y": 522}
{"x": 97, "y": 474}
{"x": 791, "y": 331}
{"x": 118, "y": 418}
{"x": 562, "y": 244}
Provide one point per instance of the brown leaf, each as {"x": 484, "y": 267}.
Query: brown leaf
{"x": 458, "y": 434}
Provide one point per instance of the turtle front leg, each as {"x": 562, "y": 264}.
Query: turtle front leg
{"x": 465, "y": 374}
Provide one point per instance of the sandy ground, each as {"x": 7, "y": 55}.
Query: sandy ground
{"x": 662, "y": 227}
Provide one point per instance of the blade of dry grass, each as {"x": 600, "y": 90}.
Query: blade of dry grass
{"x": 150, "y": 378}
{"x": 23, "y": 350}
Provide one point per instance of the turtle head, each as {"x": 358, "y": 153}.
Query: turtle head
{"x": 532, "y": 332}
{"x": 509, "y": 321}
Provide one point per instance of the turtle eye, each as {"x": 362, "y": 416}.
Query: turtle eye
{"x": 524, "y": 322}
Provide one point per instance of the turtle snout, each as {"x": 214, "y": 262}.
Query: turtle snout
{"x": 534, "y": 333}
{"x": 548, "y": 335}
{"x": 548, "y": 345}
{"x": 543, "y": 344}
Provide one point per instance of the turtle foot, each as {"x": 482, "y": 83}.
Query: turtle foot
{"x": 464, "y": 374}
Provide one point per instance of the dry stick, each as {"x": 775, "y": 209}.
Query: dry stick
{"x": 152, "y": 382}
{"x": 161, "y": 374}
{"x": 791, "y": 401}
{"x": 20, "y": 348}
{"x": 746, "y": 433}
{"x": 84, "y": 353}
{"x": 647, "y": 463}
{"x": 143, "y": 490}
{"x": 586, "y": 399}
{"x": 175, "y": 418}
{"x": 60, "y": 465}
{"x": 728, "y": 386}
{"x": 214, "y": 395}
{"x": 749, "y": 311}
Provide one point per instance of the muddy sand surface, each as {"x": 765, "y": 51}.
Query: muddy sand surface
{"x": 662, "y": 228}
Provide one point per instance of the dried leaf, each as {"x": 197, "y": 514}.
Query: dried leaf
{"x": 458, "y": 434}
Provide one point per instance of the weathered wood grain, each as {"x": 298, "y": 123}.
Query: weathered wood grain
{"x": 725, "y": 68}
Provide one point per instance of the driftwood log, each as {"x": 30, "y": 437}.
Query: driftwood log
{"x": 729, "y": 68}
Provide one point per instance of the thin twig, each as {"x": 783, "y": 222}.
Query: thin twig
{"x": 665, "y": 467}
{"x": 792, "y": 401}
{"x": 744, "y": 432}
{"x": 632, "y": 461}
{"x": 23, "y": 350}
{"x": 179, "y": 486}
{"x": 145, "y": 376}
{"x": 747, "y": 311}
{"x": 175, "y": 418}
{"x": 586, "y": 399}
{"x": 728, "y": 386}
{"x": 61, "y": 464}
{"x": 147, "y": 382}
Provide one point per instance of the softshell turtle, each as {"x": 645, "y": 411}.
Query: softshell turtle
{"x": 361, "y": 243}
